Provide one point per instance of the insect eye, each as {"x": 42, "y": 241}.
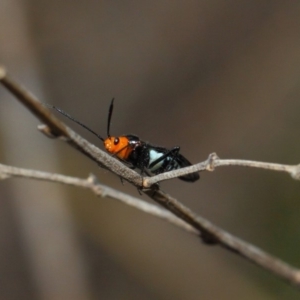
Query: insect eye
{"x": 116, "y": 141}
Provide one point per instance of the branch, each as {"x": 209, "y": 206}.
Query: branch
{"x": 214, "y": 161}
{"x": 209, "y": 233}
{"x": 98, "y": 189}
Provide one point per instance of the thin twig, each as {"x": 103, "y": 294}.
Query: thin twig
{"x": 213, "y": 161}
{"x": 293, "y": 170}
{"x": 98, "y": 189}
{"x": 210, "y": 233}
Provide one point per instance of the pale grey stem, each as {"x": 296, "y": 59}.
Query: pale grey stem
{"x": 98, "y": 189}
{"x": 214, "y": 161}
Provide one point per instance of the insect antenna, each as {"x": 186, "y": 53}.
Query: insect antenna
{"x": 111, "y": 108}
{"x": 74, "y": 120}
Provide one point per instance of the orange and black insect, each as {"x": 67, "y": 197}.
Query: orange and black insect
{"x": 149, "y": 159}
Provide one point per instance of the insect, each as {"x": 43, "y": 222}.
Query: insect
{"x": 149, "y": 159}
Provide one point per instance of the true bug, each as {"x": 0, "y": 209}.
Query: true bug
{"x": 149, "y": 159}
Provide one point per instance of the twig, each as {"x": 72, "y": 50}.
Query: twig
{"x": 214, "y": 161}
{"x": 210, "y": 233}
{"x": 98, "y": 189}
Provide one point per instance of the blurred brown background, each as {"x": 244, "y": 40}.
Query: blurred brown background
{"x": 219, "y": 76}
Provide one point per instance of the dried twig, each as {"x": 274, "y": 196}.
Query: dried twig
{"x": 214, "y": 161}
{"x": 98, "y": 189}
{"x": 210, "y": 233}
